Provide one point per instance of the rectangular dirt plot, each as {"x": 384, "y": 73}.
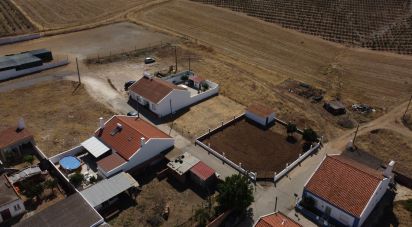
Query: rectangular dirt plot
{"x": 261, "y": 151}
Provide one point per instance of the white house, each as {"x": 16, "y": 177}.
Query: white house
{"x": 163, "y": 97}
{"x": 346, "y": 191}
{"x": 10, "y": 203}
{"x": 260, "y": 114}
{"x": 132, "y": 142}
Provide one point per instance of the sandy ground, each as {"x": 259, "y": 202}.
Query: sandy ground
{"x": 104, "y": 40}
{"x": 58, "y": 118}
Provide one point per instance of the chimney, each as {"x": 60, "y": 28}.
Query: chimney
{"x": 21, "y": 124}
{"x": 101, "y": 122}
{"x": 142, "y": 141}
{"x": 389, "y": 168}
{"x": 119, "y": 126}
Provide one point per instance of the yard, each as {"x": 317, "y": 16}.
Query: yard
{"x": 261, "y": 151}
{"x": 151, "y": 202}
{"x": 59, "y": 115}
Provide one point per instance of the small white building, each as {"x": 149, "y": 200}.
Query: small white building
{"x": 10, "y": 203}
{"x": 260, "y": 114}
{"x": 163, "y": 97}
{"x": 346, "y": 191}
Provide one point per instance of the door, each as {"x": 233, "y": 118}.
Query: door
{"x": 5, "y": 214}
{"x": 327, "y": 211}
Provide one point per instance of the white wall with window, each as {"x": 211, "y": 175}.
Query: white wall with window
{"x": 11, "y": 210}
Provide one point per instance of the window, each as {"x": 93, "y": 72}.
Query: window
{"x": 16, "y": 207}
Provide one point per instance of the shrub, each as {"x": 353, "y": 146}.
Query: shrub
{"x": 29, "y": 159}
{"x": 309, "y": 135}
{"x": 235, "y": 193}
{"x": 205, "y": 86}
{"x": 76, "y": 179}
{"x": 407, "y": 204}
{"x": 202, "y": 216}
{"x": 184, "y": 77}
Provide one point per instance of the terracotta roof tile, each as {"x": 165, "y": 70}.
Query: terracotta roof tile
{"x": 259, "y": 110}
{"x": 126, "y": 141}
{"x": 277, "y": 219}
{"x": 202, "y": 170}
{"x": 12, "y": 135}
{"x": 111, "y": 162}
{"x": 344, "y": 183}
{"x": 154, "y": 89}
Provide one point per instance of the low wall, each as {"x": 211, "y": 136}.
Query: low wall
{"x": 278, "y": 176}
{"x": 219, "y": 220}
{"x": 72, "y": 152}
{"x": 213, "y": 90}
{"x": 249, "y": 174}
{"x": 12, "y": 73}
{"x": 177, "y": 78}
{"x": 20, "y": 38}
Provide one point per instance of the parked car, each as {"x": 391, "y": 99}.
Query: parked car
{"x": 132, "y": 113}
{"x": 149, "y": 60}
{"x": 128, "y": 84}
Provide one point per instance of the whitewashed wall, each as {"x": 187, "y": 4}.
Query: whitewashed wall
{"x": 377, "y": 196}
{"x": 13, "y": 212}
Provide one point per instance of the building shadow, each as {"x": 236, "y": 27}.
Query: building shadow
{"x": 383, "y": 215}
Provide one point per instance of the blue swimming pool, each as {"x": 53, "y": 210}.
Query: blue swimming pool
{"x": 70, "y": 163}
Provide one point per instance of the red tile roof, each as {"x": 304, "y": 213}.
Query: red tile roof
{"x": 111, "y": 162}
{"x": 196, "y": 79}
{"x": 277, "y": 219}
{"x": 12, "y": 135}
{"x": 126, "y": 142}
{"x": 260, "y": 110}
{"x": 154, "y": 89}
{"x": 344, "y": 183}
{"x": 202, "y": 170}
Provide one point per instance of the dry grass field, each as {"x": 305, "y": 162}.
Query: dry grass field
{"x": 12, "y": 21}
{"x": 58, "y": 118}
{"x": 56, "y": 14}
{"x": 389, "y": 145}
{"x": 255, "y": 63}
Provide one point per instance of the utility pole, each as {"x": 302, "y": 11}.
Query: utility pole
{"x": 175, "y": 59}
{"x": 78, "y": 72}
{"x": 276, "y": 204}
{"x": 354, "y": 137}
{"x": 407, "y": 108}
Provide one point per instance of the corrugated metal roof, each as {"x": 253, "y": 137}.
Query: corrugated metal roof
{"x": 95, "y": 146}
{"x": 109, "y": 188}
{"x": 25, "y": 173}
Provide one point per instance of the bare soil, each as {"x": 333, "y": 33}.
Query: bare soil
{"x": 12, "y": 21}
{"x": 261, "y": 151}
{"x": 59, "y": 115}
{"x": 151, "y": 202}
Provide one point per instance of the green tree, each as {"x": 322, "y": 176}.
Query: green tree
{"x": 202, "y": 216}
{"x": 50, "y": 184}
{"x": 32, "y": 190}
{"x": 309, "y": 135}
{"x": 29, "y": 159}
{"x": 205, "y": 86}
{"x": 235, "y": 193}
{"x": 76, "y": 179}
{"x": 291, "y": 128}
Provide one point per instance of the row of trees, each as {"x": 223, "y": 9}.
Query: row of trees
{"x": 32, "y": 189}
{"x": 309, "y": 135}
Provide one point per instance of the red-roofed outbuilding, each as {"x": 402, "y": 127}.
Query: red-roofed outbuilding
{"x": 276, "y": 219}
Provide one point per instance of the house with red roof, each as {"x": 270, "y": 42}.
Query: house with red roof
{"x": 164, "y": 96}
{"x": 345, "y": 191}
{"x": 276, "y": 219}
{"x": 131, "y": 141}
{"x": 12, "y": 140}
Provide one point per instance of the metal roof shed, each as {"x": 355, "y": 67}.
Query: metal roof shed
{"x": 109, "y": 188}
{"x": 95, "y": 147}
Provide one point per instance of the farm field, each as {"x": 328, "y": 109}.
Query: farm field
{"x": 52, "y": 14}
{"x": 360, "y": 76}
{"x": 58, "y": 118}
{"x": 261, "y": 151}
{"x": 12, "y": 21}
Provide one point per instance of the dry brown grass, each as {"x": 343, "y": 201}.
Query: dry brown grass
{"x": 12, "y": 21}
{"x": 388, "y": 145}
{"x": 55, "y": 14}
{"x": 403, "y": 215}
{"x": 58, "y": 118}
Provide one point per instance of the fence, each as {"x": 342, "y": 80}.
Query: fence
{"x": 252, "y": 175}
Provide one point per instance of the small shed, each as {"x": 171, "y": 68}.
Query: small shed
{"x": 203, "y": 175}
{"x": 260, "y": 114}
{"x": 181, "y": 165}
{"x": 196, "y": 81}
{"x": 335, "y": 107}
